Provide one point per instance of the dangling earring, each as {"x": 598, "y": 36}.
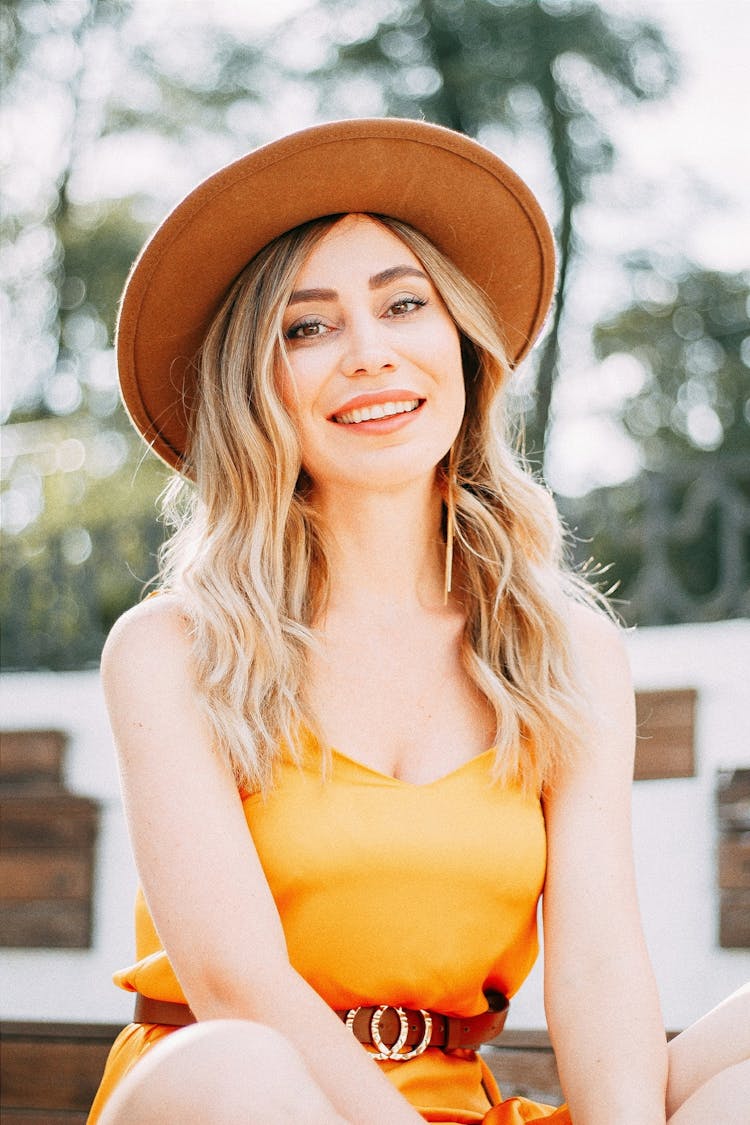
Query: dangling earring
{"x": 450, "y": 524}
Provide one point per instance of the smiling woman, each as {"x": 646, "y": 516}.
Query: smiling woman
{"x": 371, "y": 715}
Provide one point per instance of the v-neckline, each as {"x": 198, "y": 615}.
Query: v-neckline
{"x": 402, "y": 781}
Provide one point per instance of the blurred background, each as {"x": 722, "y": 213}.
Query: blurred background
{"x": 626, "y": 118}
{"x": 629, "y": 120}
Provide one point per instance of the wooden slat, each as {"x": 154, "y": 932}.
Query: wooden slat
{"x": 55, "y": 820}
{"x": 35, "y": 1031}
{"x": 734, "y": 920}
{"x": 733, "y": 800}
{"x": 29, "y": 1046}
{"x": 733, "y": 875}
{"x": 46, "y": 924}
{"x": 29, "y": 756}
{"x": 47, "y": 839}
{"x": 49, "y": 1075}
{"x": 666, "y": 734}
{"x": 30, "y": 875}
{"x": 734, "y": 862}
{"x": 44, "y": 1117}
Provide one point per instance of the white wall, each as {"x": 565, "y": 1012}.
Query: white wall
{"x": 674, "y": 830}
{"x": 674, "y": 822}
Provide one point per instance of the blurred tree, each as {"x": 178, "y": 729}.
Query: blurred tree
{"x": 688, "y": 332}
{"x": 89, "y": 83}
{"x": 548, "y": 68}
{"x": 680, "y": 532}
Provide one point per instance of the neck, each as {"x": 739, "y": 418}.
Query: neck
{"x": 386, "y": 552}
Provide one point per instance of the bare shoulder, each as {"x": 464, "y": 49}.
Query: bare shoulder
{"x": 593, "y": 626}
{"x": 148, "y": 650}
{"x": 158, "y": 624}
{"x": 598, "y": 645}
{"x": 608, "y": 725}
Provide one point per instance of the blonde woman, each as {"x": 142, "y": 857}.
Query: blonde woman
{"x": 371, "y": 715}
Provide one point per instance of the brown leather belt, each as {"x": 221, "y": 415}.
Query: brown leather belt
{"x": 397, "y": 1033}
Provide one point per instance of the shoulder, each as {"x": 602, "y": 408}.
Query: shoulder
{"x": 150, "y": 639}
{"x": 598, "y": 644}
{"x": 607, "y": 723}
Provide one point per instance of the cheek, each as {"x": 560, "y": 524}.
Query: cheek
{"x": 455, "y": 369}
{"x": 287, "y": 385}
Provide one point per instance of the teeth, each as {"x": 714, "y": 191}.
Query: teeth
{"x": 380, "y": 410}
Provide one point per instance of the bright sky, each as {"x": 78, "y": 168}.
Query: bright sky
{"x": 703, "y": 128}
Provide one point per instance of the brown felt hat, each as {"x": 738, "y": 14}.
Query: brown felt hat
{"x": 473, "y": 207}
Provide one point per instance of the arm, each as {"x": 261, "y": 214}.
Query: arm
{"x": 600, "y": 997}
{"x": 200, "y": 872}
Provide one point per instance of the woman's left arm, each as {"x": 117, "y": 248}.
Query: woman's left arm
{"x": 600, "y": 997}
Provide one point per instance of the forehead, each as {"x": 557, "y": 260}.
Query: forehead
{"x": 356, "y": 243}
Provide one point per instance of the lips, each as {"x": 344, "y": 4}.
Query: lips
{"x": 375, "y": 411}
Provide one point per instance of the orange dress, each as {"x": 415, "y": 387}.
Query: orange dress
{"x": 389, "y": 893}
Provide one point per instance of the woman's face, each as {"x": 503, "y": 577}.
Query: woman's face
{"x": 375, "y": 384}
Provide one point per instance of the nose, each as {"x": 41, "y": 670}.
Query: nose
{"x": 368, "y": 350}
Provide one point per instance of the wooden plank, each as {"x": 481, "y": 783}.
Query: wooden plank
{"x": 32, "y": 1031}
{"x": 36, "y": 874}
{"x": 51, "y": 1075}
{"x": 44, "y": 1117}
{"x": 28, "y": 756}
{"x": 666, "y": 734}
{"x": 59, "y": 820}
{"x": 48, "y": 924}
{"x": 733, "y": 800}
{"x": 734, "y": 862}
{"x": 734, "y": 920}
{"x": 733, "y": 785}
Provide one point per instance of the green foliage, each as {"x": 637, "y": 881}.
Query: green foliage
{"x": 680, "y": 533}
{"x": 79, "y": 520}
{"x": 689, "y": 333}
{"x": 89, "y": 553}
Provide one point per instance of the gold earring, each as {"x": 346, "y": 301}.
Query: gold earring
{"x": 450, "y": 524}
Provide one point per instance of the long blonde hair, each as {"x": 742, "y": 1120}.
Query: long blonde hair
{"x": 248, "y": 557}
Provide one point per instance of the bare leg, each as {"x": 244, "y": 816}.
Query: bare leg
{"x": 723, "y": 1100}
{"x": 228, "y": 1072}
{"x": 708, "y": 1063}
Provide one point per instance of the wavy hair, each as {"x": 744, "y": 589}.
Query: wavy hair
{"x": 248, "y": 559}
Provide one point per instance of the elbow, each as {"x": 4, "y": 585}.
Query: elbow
{"x": 249, "y": 991}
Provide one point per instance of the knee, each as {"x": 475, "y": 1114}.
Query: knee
{"x": 224, "y": 1071}
{"x": 723, "y": 1097}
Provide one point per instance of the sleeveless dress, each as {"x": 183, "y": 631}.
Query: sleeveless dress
{"x": 389, "y": 893}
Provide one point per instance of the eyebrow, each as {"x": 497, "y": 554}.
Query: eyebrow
{"x": 377, "y": 281}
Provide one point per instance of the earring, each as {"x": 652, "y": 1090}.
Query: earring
{"x": 450, "y": 524}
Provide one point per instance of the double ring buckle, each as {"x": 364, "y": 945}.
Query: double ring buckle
{"x": 395, "y": 1051}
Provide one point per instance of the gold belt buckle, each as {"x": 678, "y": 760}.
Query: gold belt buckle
{"x": 394, "y": 1052}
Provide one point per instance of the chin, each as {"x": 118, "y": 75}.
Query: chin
{"x": 380, "y": 473}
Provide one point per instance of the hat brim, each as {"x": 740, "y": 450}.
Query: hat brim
{"x": 469, "y": 203}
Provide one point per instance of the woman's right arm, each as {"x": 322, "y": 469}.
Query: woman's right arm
{"x": 199, "y": 869}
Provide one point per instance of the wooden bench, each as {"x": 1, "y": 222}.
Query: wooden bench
{"x": 49, "y": 1072}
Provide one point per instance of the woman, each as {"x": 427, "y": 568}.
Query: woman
{"x": 362, "y": 563}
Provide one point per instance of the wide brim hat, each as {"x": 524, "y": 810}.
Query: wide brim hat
{"x": 466, "y": 200}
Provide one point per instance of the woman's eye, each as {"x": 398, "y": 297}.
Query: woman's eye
{"x": 405, "y": 305}
{"x": 306, "y": 329}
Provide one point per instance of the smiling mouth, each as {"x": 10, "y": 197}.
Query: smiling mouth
{"x": 377, "y": 410}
